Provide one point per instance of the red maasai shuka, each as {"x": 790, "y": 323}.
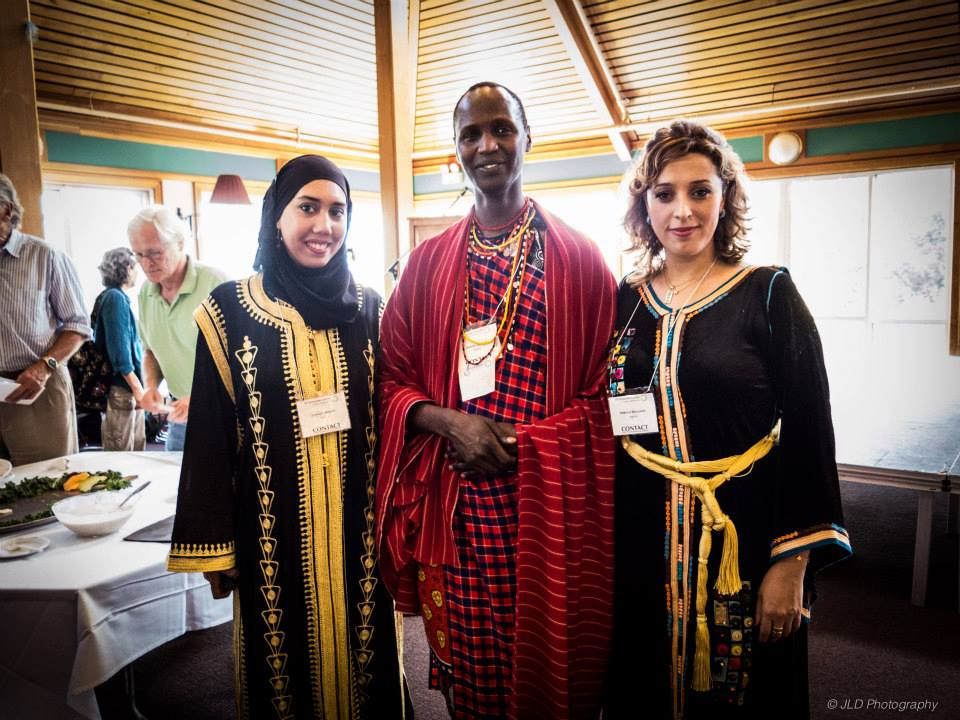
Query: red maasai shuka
{"x": 565, "y": 464}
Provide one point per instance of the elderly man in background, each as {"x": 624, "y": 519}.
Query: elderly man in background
{"x": 42, "y": 324}
{"x": 176, "y": 285}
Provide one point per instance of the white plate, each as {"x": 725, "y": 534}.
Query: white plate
{"x": 22, "y": 546}
{"x": 6, "y": 469}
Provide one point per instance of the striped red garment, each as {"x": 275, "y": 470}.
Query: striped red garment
{"x": 565, "y": 472}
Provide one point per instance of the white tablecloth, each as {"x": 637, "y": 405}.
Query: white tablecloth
{"x": 77, "y": 613}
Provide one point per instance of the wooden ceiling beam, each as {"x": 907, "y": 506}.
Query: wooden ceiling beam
{"x": 577, "y": 36}
{"x": 19, "y": 126}
{"x": 395, "y": 23}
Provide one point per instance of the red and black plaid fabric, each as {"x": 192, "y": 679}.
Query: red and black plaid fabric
{"x": 481, "y": 593}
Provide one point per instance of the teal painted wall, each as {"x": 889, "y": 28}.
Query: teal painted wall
{"x": 104, "y": 152}
{"x": 83, "y": 150}
{"x": 750, "y": 149}
{"x": 886, "y": 135}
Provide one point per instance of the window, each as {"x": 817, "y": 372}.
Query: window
{"x": 227, "y": 234}
{"x": 86, "y": 221}
{"x": 869, "y": 253}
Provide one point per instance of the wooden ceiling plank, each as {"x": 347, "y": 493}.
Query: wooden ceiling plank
{"x": 510, "y": 17}
{"x": 264, "y": 39}
{"x": 739, "y": 34}
{"x": 641, "y": 20}
{"x": 865, "y": 21}
{"x": 350, "y": 37}
{"x": 809, "y": 50}
{"x": 779, "y": 74}
{"x": 123, "y": 14}
{"x": 730, "y": 15}
{"x": 252, "y": 104}
{"x": 833, "y": 92}
{"x": 574, "y": 30}
{"x": 89, "y": 90}
{"x": 361, "y": 10}
{"x": 295, "y": 16}
{"x": 461, "y": 52}
{"x": 448, "y": 72}
{"x": 507, "y": 26}
{"x": 181, "y": 55}
{"x": 264, "y": 91}
{"x": 559, "y": 73}
{"x": 778, "y": 91}
{"x": 470, "y": 9}
{"x": 124, "y": 35}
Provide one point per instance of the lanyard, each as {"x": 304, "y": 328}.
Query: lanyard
{"x": 671, "y": 321}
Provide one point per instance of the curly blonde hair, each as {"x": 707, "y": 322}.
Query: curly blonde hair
{"x": 670, "y": 143}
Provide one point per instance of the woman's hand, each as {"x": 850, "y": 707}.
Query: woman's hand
{"x": 781, "y": 598}
{"x": 222, "y": 582}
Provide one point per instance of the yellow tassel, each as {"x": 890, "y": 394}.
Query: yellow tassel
{"x": 728, "y": 579}
{"x": 701, "y": 666}
{"x": 701, "y": 661}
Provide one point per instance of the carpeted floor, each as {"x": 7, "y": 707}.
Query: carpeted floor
{"x": 868, "y": 644}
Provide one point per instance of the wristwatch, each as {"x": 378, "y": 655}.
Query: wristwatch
{"x": 51, "y": 362}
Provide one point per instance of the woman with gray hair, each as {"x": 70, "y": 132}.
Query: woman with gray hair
{"x": 115, "y": 334}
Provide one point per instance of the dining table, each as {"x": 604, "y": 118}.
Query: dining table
{"x": 83, "y": 609}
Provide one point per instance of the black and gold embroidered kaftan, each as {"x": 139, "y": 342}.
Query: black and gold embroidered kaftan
{"x": 315, "y": 629}
{"x": 728, "y": 367}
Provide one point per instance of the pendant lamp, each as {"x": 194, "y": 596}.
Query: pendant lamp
{"x": 229, "y": 190}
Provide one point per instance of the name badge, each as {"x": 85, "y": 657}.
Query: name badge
{"x": 633, "y": 414}
{"x": 324, "y": 414}
{"x": 477, "y": 380}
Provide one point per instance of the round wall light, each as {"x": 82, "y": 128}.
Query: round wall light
{"x": 785, "y": 148}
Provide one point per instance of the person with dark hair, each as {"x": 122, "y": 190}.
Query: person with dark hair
{"x": 494, "y": 500}
{"x": 277, "y": 490}
{"x": 115, "y": 333}
{"x": 42, "y": 325}
{"x": 719, "y": 396}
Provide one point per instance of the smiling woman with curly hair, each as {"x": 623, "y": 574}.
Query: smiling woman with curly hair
{"x": 735, "y": 449}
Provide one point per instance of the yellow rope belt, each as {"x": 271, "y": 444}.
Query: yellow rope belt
{"x": 714, "y": 519}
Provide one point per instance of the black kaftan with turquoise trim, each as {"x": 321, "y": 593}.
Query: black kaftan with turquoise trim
{"x": 315, "y": 629}
{"x": 729, "y": 366}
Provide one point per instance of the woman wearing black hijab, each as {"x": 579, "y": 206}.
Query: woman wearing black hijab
{"x": 277, "y": 487}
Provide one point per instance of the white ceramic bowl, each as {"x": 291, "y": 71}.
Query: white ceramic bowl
{"x": 97, "y": 513}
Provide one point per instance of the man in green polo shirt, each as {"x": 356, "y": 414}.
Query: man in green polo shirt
{"x": 176, "y": 284}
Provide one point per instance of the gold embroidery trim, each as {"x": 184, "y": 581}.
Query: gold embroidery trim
{"x": 362, "y": 653}
{"x": 209, "y": 319}
{"x": 272, "y": 614}
{"x": 311, "y": 369}
{"x": 202, "y": 550}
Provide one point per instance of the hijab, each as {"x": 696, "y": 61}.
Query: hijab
{"x": 325, "y": 297}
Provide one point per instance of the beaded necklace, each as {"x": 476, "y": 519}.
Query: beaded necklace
{"x": 521, "y": 235}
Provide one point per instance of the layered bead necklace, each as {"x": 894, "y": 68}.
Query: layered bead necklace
{"x": 516, "y": 244}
